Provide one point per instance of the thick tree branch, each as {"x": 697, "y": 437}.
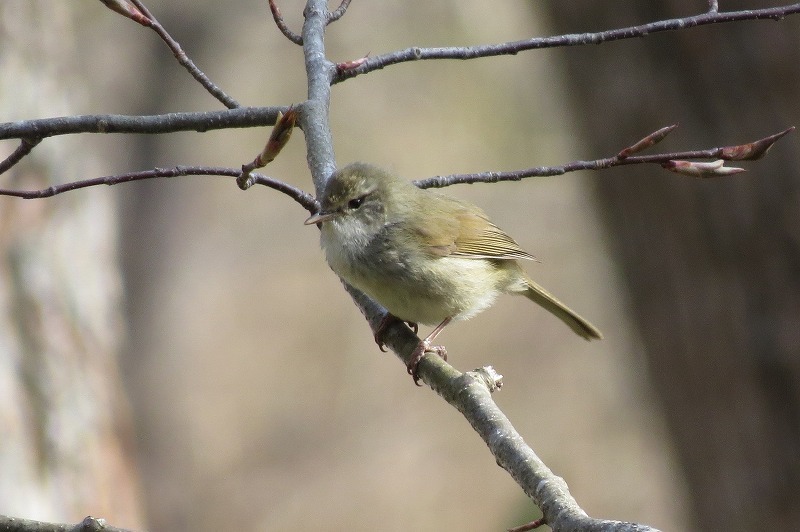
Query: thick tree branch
{"x": 313, "y": 113}
{"x": 145, "y": 124}
{"x": 577, "y": 39}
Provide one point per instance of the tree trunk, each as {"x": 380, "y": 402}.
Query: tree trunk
{"x": 62, "y": 414}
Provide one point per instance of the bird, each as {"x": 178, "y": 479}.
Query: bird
{"x": 425, "y": 257}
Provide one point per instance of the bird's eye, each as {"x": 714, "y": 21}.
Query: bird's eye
{"x": 355, "y": 203}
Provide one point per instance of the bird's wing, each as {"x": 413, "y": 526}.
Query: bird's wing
{"x": 467, "y": 232}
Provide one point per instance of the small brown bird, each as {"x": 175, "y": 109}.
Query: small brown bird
{"x": 427, "y": 258}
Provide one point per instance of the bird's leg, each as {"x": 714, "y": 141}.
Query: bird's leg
{"x": 387, "y": 319}
{"x": 423, "y": 347}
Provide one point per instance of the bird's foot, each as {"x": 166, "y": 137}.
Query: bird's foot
{"x": 419, "y": 352}
{"x": 382, "y": 326}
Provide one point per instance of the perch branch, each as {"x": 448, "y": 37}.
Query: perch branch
{"x": 470, "y": 394}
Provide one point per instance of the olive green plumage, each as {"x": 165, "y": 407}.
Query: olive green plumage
{"x": 426, "y": 257}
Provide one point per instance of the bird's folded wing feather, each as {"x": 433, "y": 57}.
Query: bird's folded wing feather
{"x": 467, "y": 233}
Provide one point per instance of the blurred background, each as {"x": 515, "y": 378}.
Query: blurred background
{"x": 176, "y": 355}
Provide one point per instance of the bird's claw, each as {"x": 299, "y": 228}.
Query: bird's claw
{"x": 419, "y": 352}
{"x": 384, "y": 324}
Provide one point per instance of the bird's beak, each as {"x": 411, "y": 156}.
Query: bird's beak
{"x": 319, "y": 218}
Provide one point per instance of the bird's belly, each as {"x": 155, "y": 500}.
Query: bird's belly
{"x": 451, "y": 287}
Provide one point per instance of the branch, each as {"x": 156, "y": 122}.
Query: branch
{"x": 150, "y": 124}
{"x": 24, "y": 148}
{"x": 138, "y": 12}
{"x": 578, "y": 39}
{"x": 305, "y": 200}
{"x": 670, "y": 161}
{"x": 313, "y": 116}
{"x": 33, "y": 131}
{"x": 89, "y": 524}
{"x": 278, "y": 18}
{"x": 748, "y": 151}
{"x": 333, "y": 16}
{"x": 470, "y": 394}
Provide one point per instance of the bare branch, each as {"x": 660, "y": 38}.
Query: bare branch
{"x": 510, "y": 48}
{"x": 471, "y": 395}
{"x": 713, "y": 6}
{"x": 89, "y": 524}
{"x": 278, "y": 18}
{"x": 333, "y": 16}
{"x": 181, "y": 56}
{"x": 306, "y": 200}
{"x": 25, "y": 147}
{"x": 663, "y": 159}
{"x": 166, "y": 123}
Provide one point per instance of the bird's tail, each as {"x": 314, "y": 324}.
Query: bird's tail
{"x": 542, "y": 297}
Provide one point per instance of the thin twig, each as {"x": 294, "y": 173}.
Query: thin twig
{"x": 278, "y": 18}
{"x": 25, "y": 147}
{"x": 731, "y": 153}
{"x": 510, "y": 48}
{"x": 533, "y": 525}
{"x": 184, "y": 60}
{"x": 305, "y": 199}
{"x": 333, "y": 16}
{"x": 713, "y": 6}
